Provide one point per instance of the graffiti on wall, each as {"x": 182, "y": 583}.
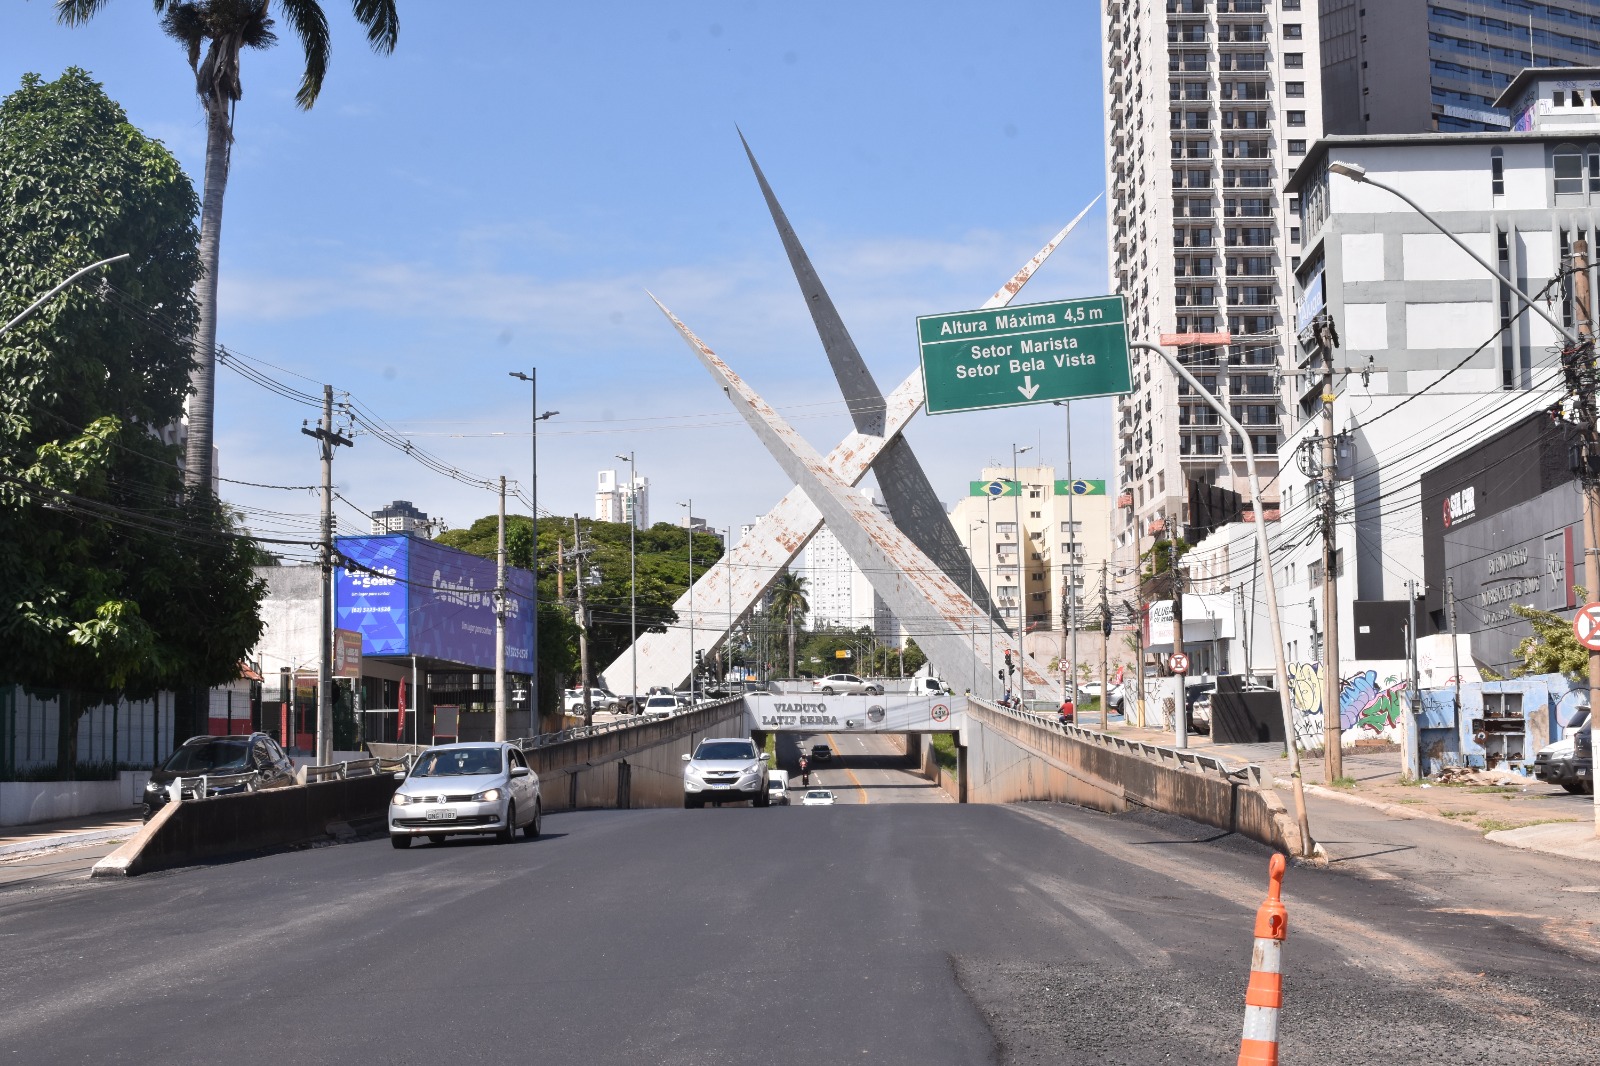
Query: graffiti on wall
{"x": 1368, "y": 708}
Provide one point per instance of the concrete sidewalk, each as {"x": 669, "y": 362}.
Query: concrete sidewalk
{"x": 18, "y": 840}
{"x": 1504, "y": 808}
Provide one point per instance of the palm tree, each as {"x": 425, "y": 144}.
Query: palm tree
{"x": 223, "y": 29}
{"x": 789, "y": 603}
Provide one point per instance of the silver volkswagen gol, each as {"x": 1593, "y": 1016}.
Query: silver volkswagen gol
{"x": 466, "y": 788}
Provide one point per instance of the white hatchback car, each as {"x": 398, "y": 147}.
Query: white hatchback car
{"x": 466, "y": 788}
{"x": 818, "y": 797}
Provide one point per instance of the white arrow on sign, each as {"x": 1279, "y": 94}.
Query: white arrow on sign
{"x": 1027, "y": 388}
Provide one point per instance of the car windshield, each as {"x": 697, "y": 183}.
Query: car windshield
{"x": 208, "y": 756}
{"x": 815, "y": 795}
{"x": 662, "y": 701}
{"x": 726, "y": 749}
{"x": 458, "y": 762}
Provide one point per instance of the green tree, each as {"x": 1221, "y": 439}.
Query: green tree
{"x": 112, "y": 581}
{"x": 914, "y": 657}
{"x": 214, "y": 34}
{"x": 789, "y": 604}
{"x": 1552, "y": 648}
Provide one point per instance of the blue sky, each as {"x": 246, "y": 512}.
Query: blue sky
{"x": 501, "y": 191}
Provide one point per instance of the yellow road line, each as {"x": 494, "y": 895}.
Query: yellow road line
{"x": 849, "y": 771}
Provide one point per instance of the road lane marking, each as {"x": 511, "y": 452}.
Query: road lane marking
{"x": 851, "y": 773}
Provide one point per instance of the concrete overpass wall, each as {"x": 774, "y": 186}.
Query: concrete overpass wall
{"x": 640, "y": 766}
{"x": 1010, "y": 756}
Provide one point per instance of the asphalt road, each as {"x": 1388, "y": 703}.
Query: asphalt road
{"x": 864, "y": 768}
{"x": 893, "y": 933}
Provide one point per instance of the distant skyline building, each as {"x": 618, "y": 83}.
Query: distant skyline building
{"x": 1210, "y": 107}
{"x": 401, "y": 516}
{"x": 614, "y": 502}
{"x": 839, "y": 593}
{"x": 1415, "y": 66}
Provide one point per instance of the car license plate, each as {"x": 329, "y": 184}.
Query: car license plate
{"x": 721, "y": 786}
{"x": 441, "y": 816}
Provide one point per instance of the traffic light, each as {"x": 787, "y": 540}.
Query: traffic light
{"x": 1011, "y": 667}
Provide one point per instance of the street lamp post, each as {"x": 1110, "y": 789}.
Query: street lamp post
{"x": 1578, "y": 341}
{"x": 1072, "y": 567}
{"x": 533, "y": 561}
{"x": 688, "y": 528}
{"x": 74, "y": 276}
{"x": 633, "y": 573}
{"x": 1280, "y": 661}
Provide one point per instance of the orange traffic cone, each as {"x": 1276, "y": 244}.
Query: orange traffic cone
{"x": 1259, "y": 1045}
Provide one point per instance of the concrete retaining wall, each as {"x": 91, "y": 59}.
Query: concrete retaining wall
{"x": 1012, "y": 758}
{"x": 589, "y": 772}
{"x": 182, "y": 834}
{"x": 26, "y": 802}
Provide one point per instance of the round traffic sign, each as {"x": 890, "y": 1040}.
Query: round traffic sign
{"x": 1179, "y": 663}
{"x": 1586, "y": 626}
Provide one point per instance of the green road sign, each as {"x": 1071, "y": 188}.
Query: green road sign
{"x": 1012, "y": 356}
{"x": 1080, "y": 488}
{"x": 1000, "y": 486}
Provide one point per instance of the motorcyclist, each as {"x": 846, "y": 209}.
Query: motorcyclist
{"x": 1068, "y": 712}
{"x": 805, "y": 772}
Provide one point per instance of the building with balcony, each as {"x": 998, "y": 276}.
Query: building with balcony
{"x": 617, "y": 501}
{"x": 1040, "y": 572}
{"x": 1201, "y": 238}
{"x": 1410, "y": 66}
{"x": 401, "y": 516}
{"x": 838, "y": 591}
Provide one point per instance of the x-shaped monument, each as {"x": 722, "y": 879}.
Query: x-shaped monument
{"x": 915, "y": 562}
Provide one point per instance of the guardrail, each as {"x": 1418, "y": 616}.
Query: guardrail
{"x": 545, "y": 740}
{"x": 1178, "y": 757}
{"x": 339, "y": 771}
{"x": 206, "y": 786}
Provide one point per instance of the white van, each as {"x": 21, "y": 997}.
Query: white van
{"x": 778, "y": 787}
{"x": 929, "y": 686}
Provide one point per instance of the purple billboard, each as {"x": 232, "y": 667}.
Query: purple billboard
{"x": 408, "y": 596}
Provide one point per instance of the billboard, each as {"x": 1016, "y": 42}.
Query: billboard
{"x": 408, "y": 596}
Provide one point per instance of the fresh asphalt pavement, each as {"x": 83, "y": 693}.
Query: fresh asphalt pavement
{"x": 920, "y": 933}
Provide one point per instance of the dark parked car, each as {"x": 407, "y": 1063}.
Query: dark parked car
{"x": 256, "y": 754}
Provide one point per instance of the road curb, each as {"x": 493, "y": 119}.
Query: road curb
{"x": 1396, "y": 810}
{"x": 64, "y": 840}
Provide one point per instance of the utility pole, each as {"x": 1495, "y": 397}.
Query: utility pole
{"x": 500, "y": 728}
{"x": 329, "y": 439}
{"x": 1332, "y": 730}
{"x": 1105, "y": 651}
{"x": 1591, "y": 486}
{"x": 1416, "y": 684}
{"x": 688, "y": 528}
{"x": 580, "y": 579}
{"x": 1072, "y": 565}
{"x": 1455, "y": 648}
{"x": 1022, "y": 558}
{"x": 1180, "y": 707}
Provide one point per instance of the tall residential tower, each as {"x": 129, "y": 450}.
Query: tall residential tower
{"x": 1210, "y": 106}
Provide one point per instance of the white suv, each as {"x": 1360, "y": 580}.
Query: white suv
{"x": 845, "y": 685}
{"x": 599, "y": 699}
{"x": 723, "y": 769}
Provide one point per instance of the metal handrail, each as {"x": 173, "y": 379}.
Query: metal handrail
{"x": 207, "y": 783}
{"x": 1181, "y": 757}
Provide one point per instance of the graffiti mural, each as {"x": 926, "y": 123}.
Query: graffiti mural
{"x": 1368, "y": 708}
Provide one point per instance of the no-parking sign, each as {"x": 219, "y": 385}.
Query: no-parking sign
{"x": 1179, "y": 663}
{"x": 1586, "y": 626}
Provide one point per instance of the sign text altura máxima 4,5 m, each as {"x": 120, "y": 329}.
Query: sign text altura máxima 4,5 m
{"x": 1008, "y": 357}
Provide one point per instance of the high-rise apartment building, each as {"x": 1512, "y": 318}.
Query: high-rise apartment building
{"x": 1411, "y": 66}
{"x": 401, "y": 516}
{"x": 1210, "y": 106}
{"x": 838, "y": 591}
{"x": 617, "y": 501}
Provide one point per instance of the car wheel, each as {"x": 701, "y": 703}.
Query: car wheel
{"x": 763, "y": 798}
{"x": 1574, "y": 787}
{"x": 400, "y": 840}
{"x": 436, "y": 838}
{"x": 509, "y": 833}
{"x": 532, "y": 830}
{"x": 827, "y": 691}
{"x": 691, "y": 803}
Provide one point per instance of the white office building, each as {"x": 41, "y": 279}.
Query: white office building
{"x": 617, "y": 501}
{"x": 1435, "y": 354}
{"x": 1211, "y": 106}
{"x": 401, "y": 516}
{"x": 840, "y": 593}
